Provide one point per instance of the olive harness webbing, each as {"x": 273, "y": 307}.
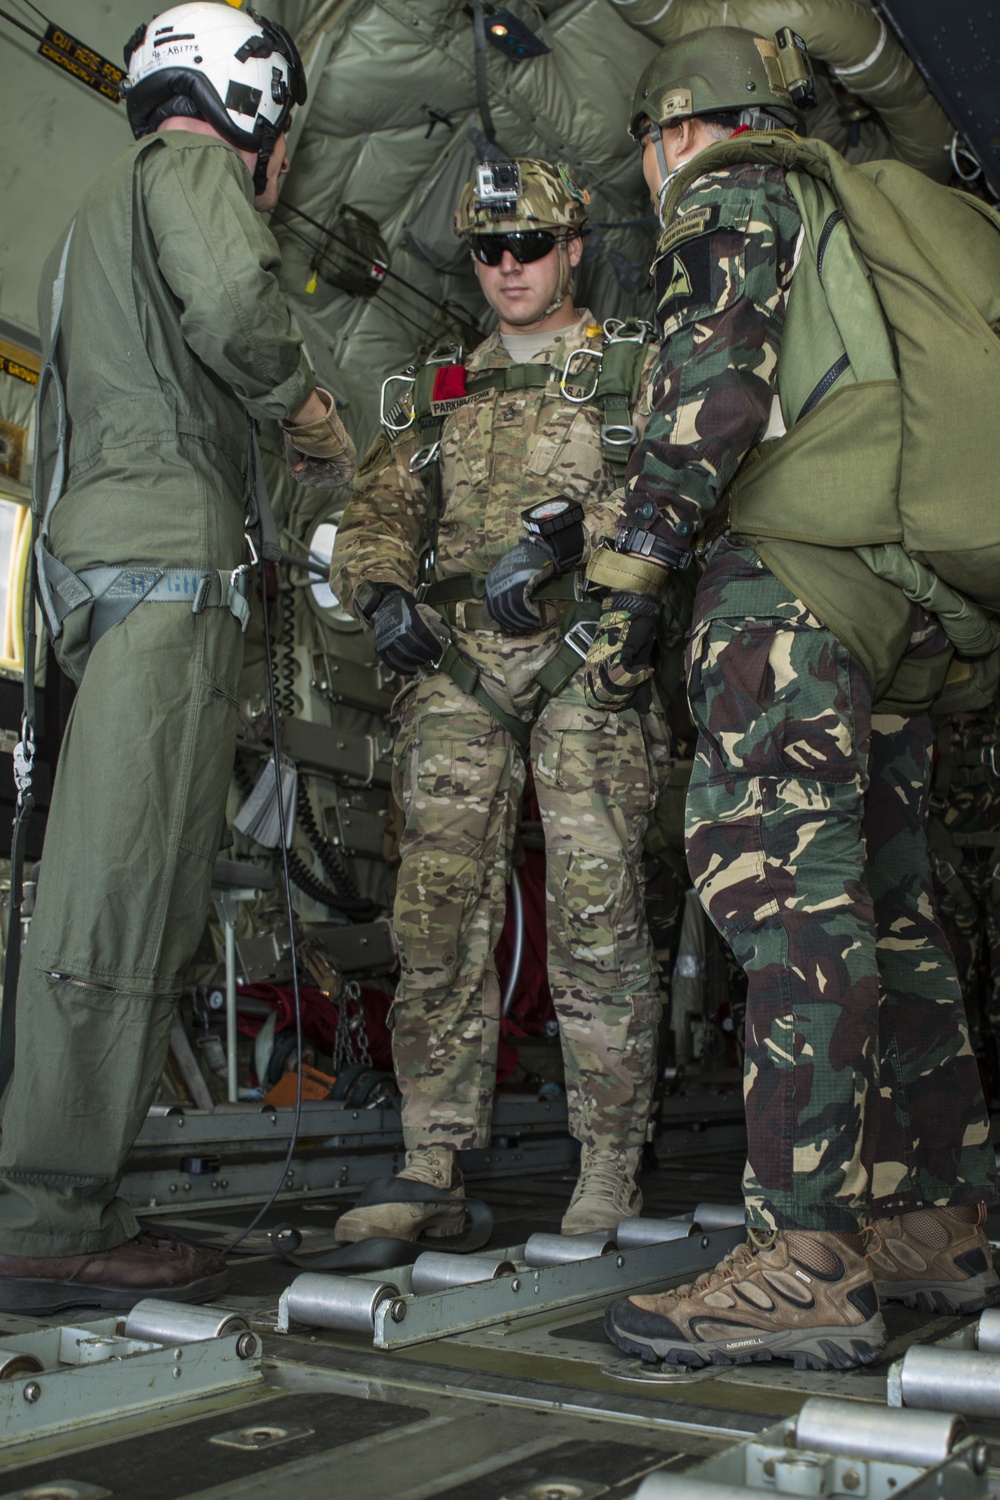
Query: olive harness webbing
{"x": 615, "y": 390}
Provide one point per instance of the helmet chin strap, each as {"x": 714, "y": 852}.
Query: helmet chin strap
{"x": 564, "y": 283}
{"x": 267, "y": 143}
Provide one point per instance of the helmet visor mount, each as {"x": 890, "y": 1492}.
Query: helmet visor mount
{"x": 525, "y": 245}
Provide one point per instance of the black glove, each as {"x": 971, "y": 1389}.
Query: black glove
{"x": 619, "y": 663}
{"x": 408, "y": 635}
{"x": 511, "y": 584}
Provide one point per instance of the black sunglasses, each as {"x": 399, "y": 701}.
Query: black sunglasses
{"x": 525, "y": 245}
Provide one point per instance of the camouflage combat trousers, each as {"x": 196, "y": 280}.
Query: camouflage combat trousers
{"x": 805, "y": 841}
{"x": 458, "y": 778}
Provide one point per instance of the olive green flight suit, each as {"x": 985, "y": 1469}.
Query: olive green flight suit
{"x": 173, "y": 330}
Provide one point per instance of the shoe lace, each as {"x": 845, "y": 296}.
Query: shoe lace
{"x": 154, "y": 1241}
{"x": 728, "y": 1268}
{"x": 605, "y": 1174}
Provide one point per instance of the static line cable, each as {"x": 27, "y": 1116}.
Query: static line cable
{"x": 32, "y": 6}
{"x": 35, "y": 35}
{"x": 287, "y": 890}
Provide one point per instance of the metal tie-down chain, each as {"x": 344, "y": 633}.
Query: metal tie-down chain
{"x": 350, "y": 1043}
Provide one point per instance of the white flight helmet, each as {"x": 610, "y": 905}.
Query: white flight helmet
{"x": 233, "y": 68}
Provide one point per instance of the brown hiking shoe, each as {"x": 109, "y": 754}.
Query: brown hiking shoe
{"x": 936, "y": 1259}
{"x": 605, "y": 1192}
{"x": 436, "y": 1167}
{"x": 799, "y": 1294}
{"x": 151, "y": 1265}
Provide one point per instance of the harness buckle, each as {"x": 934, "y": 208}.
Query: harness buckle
{"x": 24, "y": 761}
{"x": 583, "y": 354}
{"x": 613, "y": 334}
{"x": 424, "y": 456}
{"x": 444, "y": 354}
{"x": 407, "y": 378}
{"x": 580, "y": 637}
{"x": 619, "y": 434}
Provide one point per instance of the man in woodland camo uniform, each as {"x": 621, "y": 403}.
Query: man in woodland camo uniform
{"x": 511, "y": 443}
{"x": 805, "y": 811}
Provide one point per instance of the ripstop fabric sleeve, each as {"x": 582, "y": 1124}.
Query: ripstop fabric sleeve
{"x": 220, "y": 260}
{"x": 379, "y": 536}
{"x": 720, "y": 306}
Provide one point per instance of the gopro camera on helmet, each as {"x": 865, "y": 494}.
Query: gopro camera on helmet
{"x": 498, "y": 185}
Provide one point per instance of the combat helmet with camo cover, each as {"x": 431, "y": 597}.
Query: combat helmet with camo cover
{"x": 522, "y": 195}
{"x": 538, "y": 195}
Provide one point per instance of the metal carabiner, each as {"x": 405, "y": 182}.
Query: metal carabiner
{"x": 407, "y": 378}
{"x": 241, "y": 569}
{"x": 596, "y": 355}
{"x": 425, "y": 456}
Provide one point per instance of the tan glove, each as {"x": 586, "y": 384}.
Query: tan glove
{"x": 325, "y": 447}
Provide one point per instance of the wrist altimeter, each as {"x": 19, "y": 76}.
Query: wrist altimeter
{"x": 558, "y": 522}
{"x": 367, "y": 598}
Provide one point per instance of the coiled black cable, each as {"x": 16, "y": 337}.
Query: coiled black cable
{"x": 348, "y": 903}
{"x": 332, "y": 860}
{"x": 283, "y": 665}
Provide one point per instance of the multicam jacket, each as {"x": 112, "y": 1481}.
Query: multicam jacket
{"x": 500, "y": 453}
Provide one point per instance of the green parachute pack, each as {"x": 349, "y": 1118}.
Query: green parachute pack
{"x": 888, "y": 380}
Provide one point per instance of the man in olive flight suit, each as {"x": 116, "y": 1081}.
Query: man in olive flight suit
{"x": 805, "y": 810}
{"x": 166, "y": 328}
{"x": 523, "y": 491}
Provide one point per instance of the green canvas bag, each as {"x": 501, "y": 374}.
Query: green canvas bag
{"x": 889, "y": 374}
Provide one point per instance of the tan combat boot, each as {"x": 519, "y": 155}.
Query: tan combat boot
{"x": 605, "y": 1192}
{"x": 936, "y": 1259}
{"x": 797, "y": 1294}
{"x": 433, "y": 1165}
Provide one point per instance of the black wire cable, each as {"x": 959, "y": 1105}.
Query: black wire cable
{"x": 384, "y": 300}
{"x": 293, "y": 1140}
{"x": 359, "y": 908}
{"x": 364, "y": 259}
{"x": 312, "y": 886}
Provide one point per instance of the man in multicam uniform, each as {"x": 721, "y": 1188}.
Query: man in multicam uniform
{"x": 458, "y": 774}
{"x": 804, "y": 816}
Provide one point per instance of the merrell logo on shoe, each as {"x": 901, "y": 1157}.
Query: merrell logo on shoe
{"x": 743, "y": 1343}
